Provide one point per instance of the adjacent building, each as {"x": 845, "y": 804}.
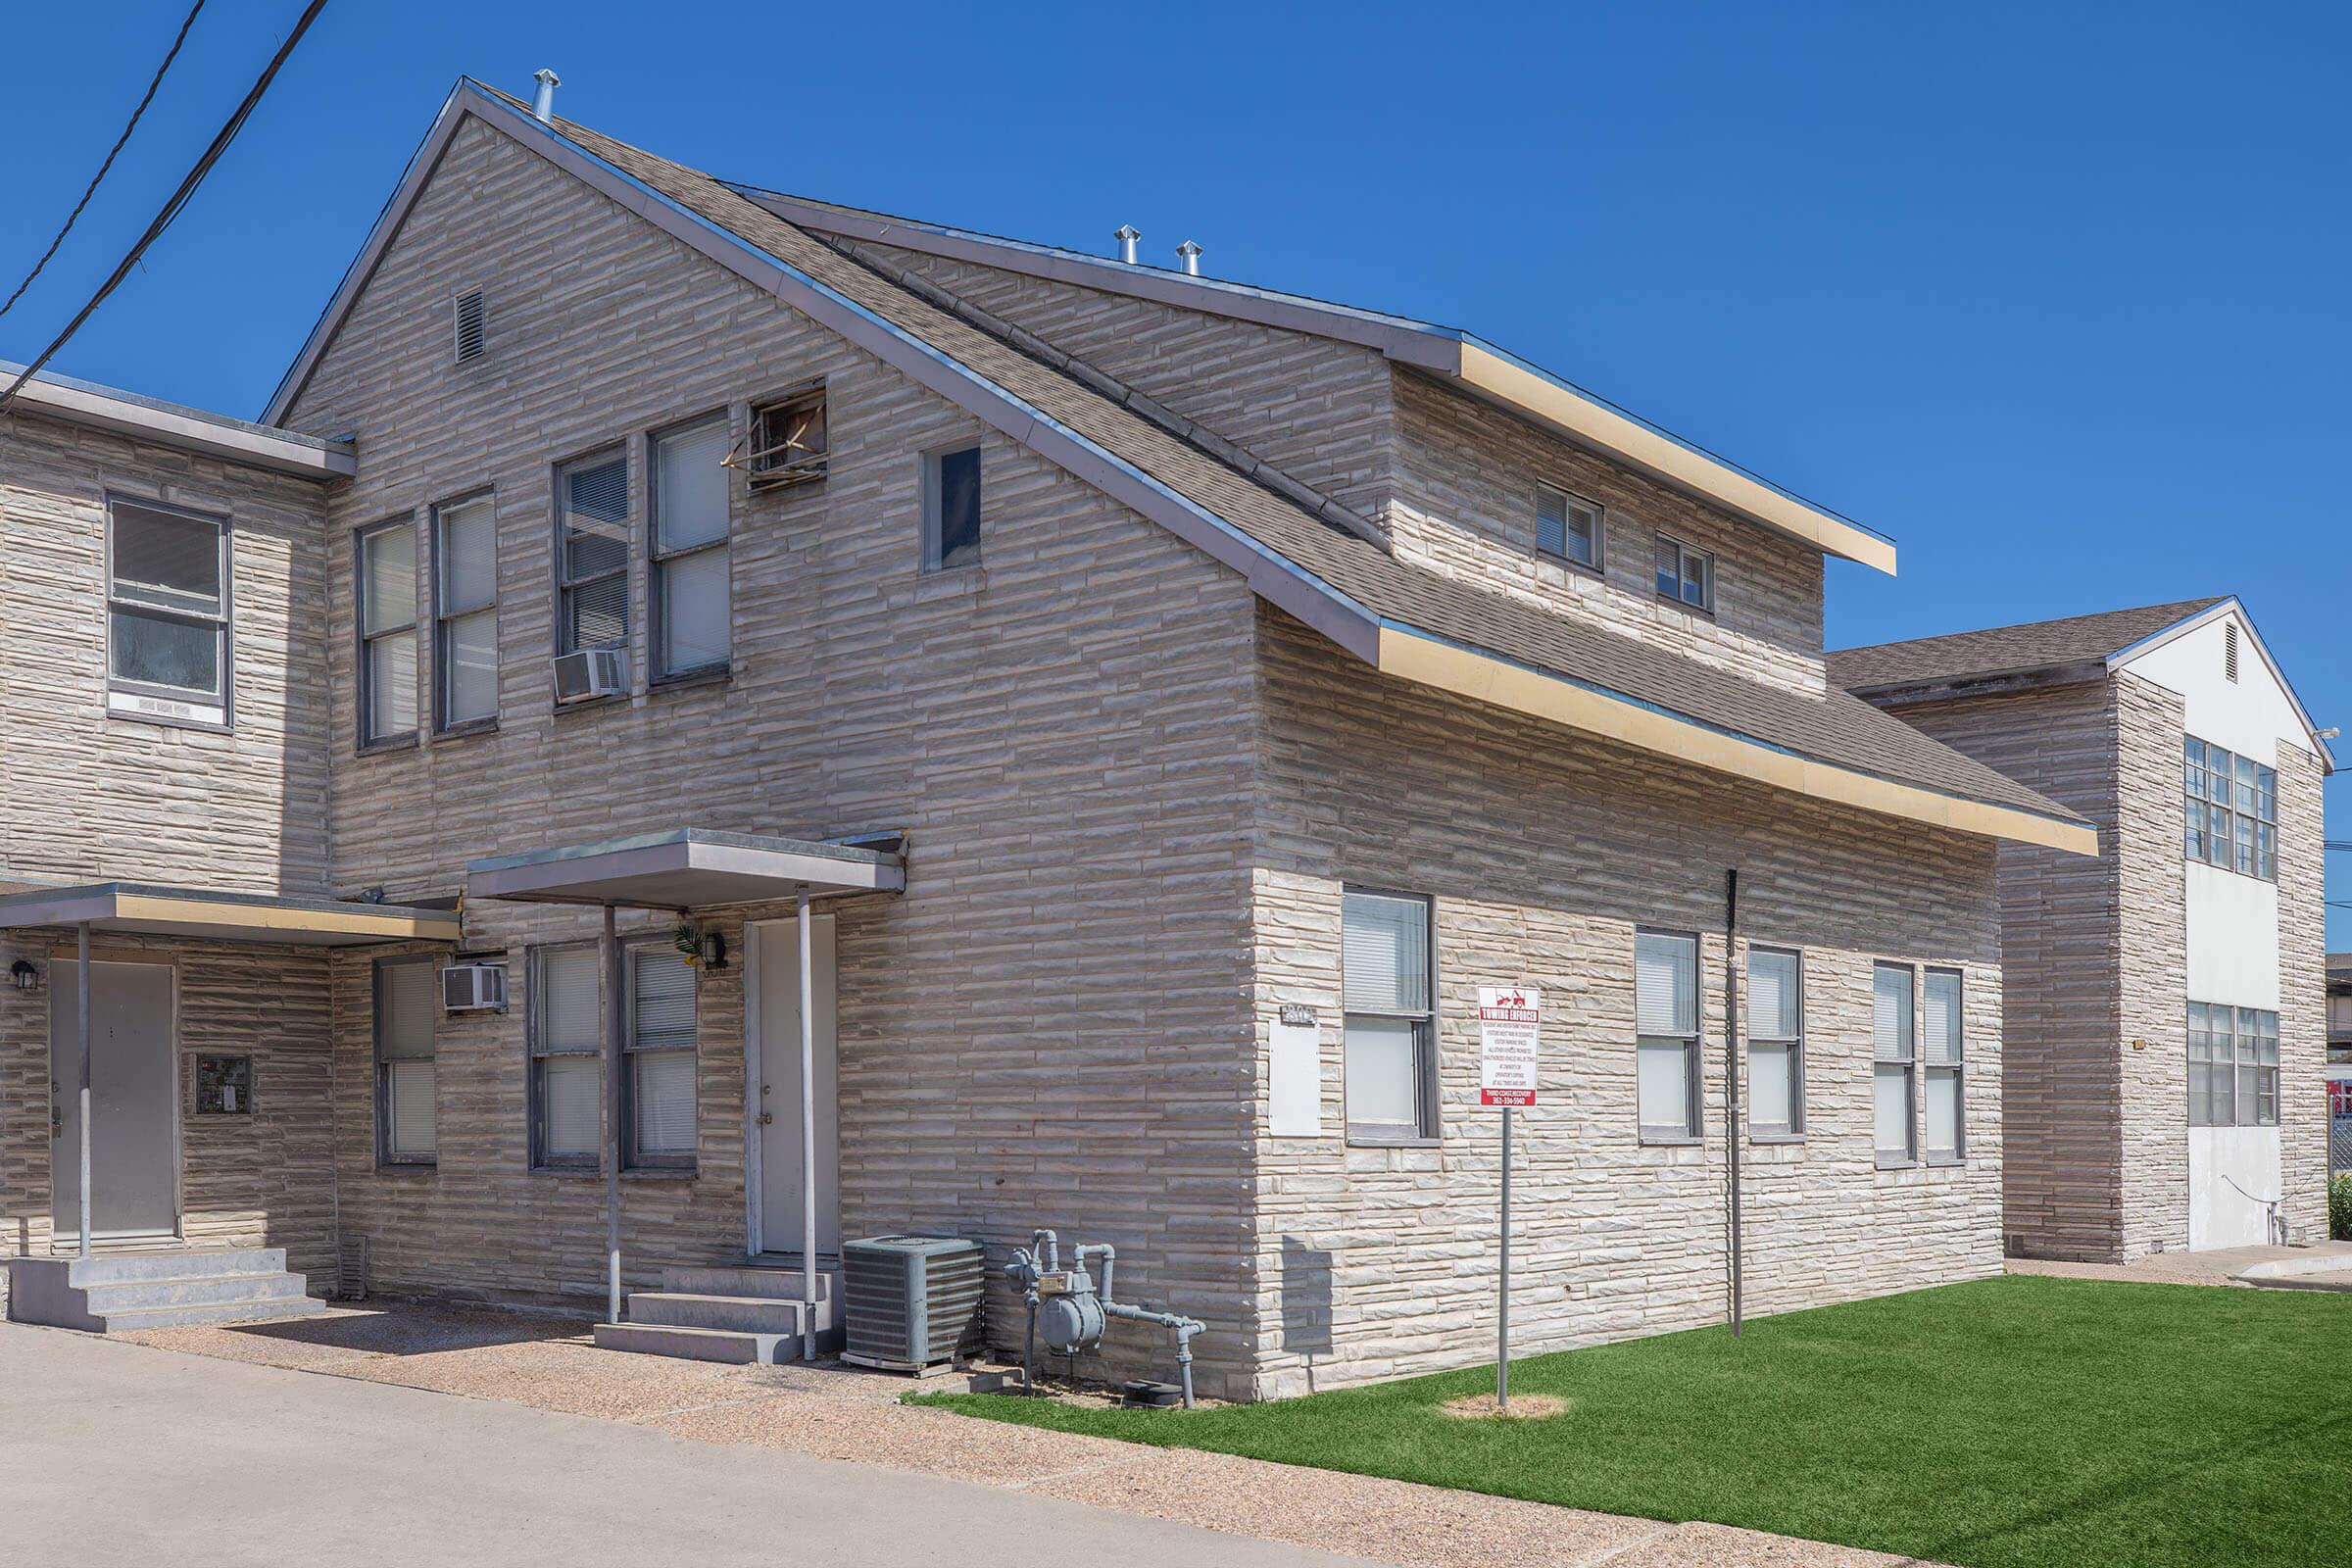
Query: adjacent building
{"x": 1136, "y": 713}
{"x": 2166, "y": 1023}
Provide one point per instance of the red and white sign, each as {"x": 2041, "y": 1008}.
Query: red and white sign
{"x": 1510, "y": 1028}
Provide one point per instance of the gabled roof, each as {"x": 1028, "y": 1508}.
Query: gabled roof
{"x": 2034, "y": 648}
{"x": 169, "y": 424}
{"x": 1400, "y": 619}
{"x": 1470, "y": 363}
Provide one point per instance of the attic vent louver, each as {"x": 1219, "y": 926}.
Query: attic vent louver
{"x": 2230, "y": 649}
{"x": 466, "y": 317}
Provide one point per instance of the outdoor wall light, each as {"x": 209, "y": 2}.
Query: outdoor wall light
{"x": 23, "y": 976}
{"x": 713, "y": 951}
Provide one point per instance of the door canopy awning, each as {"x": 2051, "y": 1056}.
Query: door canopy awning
{"x": 685, "y": 869}
{"x": 213, "y": 914}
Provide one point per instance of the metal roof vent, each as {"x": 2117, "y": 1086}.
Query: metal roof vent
{"x": 2230, "y": 649}
{"x": 1127, "y": 234}
{"x": 465, "y": 323}
{"x": 543, "y": 102}
{"x": 1188, "y": 256}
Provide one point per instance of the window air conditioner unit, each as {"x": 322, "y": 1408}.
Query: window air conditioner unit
{"x": 473, "y": 988}
{"x": 591, "y": 672}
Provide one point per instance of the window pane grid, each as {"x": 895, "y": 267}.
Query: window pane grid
{"x": 568, "y": 1076}
{"x": 2230, "y": 810}
{"x": 592, "y": 562}
{"x": 1666, "y": 1033}
{"x": 1776, "y": 1099}
{"x": 1567, "y": 527}
{"x": 661, "y": 1051}
{"x": 1893, "y": 1082}
{"x": 407, "y": 1004}
{"x": 466, "y": 612}
{"x": 2232, "y": 1066}
{"x": 168, "y": 601}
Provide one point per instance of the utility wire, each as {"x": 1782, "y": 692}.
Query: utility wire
{"x": 75, "y": 213}
{"x": 180, "y": 197}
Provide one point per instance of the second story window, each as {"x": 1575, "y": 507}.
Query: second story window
{"x": 689, "y": 595}
{"x": 166, "y": 612}
{"x": 952, "y": 508}
{"x": 1685, "y": 576}
{"x": 2232, "y": 812}
{"x": 464, "y": 613}
{"x": 788, "y": 440}
{"x": 592, "y": 554}
{"x": 1567, "y": 527}
{"x": 388, "y": 592}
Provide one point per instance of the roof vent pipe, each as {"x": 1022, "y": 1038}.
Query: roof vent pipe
{"x": 1188, "y": 256}
{"x": 1127, "y": 234}
{"x": 542, "y": 104}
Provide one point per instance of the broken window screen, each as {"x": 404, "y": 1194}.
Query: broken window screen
{"x": 788, "y": 441}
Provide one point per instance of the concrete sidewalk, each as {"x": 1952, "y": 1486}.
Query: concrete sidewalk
{"x": 844, "y": 1414}
{"x": 2220, "y": 1265}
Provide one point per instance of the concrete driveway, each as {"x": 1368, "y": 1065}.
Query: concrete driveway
{"x": 118, "y": 1454}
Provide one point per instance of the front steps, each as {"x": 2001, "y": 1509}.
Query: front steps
{"x": 743, "y": 1313}
{"x": 122, "y": 1293}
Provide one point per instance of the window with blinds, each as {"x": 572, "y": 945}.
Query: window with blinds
{"x": 388, "y": 662}
{"x": 1945, "y": 1049}
{"x": 464, "y": 613}
{"x": 690, "y": 604}
{"x": 660, "y": 1054}
{"x": 1894, "y": 1063}
{"x": 592, "y": 555}
{"x": 1666, "y": 1030}
{"x": 1567, "y": 527}
{"x": 1776, "y": 1069}
{"x": 168, "y": 603}
{"x": 408, "y": 1001}
{"x": 1388, "y": 996}
{"x": 566, "y": 1043}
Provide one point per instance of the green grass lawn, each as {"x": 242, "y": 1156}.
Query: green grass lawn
{"x": 2007, "y": 1422}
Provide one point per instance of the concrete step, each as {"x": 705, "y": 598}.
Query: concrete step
{"x": 122, "y": 1268}
{"x": 744, "y": 1314}
{"x": 742, "y": 1278}
{"x": 195, "y": 1289}
{"x": 268, "y": 1309}
{"x": 698, "y": 1345}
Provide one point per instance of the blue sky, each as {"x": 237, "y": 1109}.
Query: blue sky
{"x": 2055, "y": 295}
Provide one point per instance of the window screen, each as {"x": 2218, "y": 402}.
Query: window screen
{"x": 167, "y": 602}
{"x": 1666, "y": 1026}
{"x": 388, "y": 581}
{"x": 1387, "y": 997}
{"x": 466, "y": 612}
{"x": 593, "y": 558}
{"x": 690, "y": 549}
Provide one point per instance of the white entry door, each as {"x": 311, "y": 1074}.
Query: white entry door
{"x": 134, "y": 1100}
{"x": 775, "y": 1076}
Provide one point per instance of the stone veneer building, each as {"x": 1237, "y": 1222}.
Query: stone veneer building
{"x": 1157, "y": 707}
{"x": 2164, "y": 1050}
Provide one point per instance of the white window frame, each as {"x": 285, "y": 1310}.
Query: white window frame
{"x": 661, "y": 559}
{"x": 387, "y": 1157}
{"x": 445, "y": 616}
{"x": 566, "y": 585}
{"x": 1690, "y": 563}
{"x": 631, "y": 1156}
{"x": 935, "y": 558}
{"x": 152, "y": 701}
{"x": 1694, "y": 1083}
{"x": 369, "y": 635}
{"x": 540, "y": 1051}
{"x": 1569, "y": 503}
{"x": 1426, "y": 1129}
{"x": 1930, "y": 1069}
{"x": 2246, "y": 811}
{"x": 1794, "y": 1132}
{"x": 1907, "y": 1064}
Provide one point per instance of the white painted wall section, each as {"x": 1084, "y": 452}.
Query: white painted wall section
{"x": 2231, "y": 1168}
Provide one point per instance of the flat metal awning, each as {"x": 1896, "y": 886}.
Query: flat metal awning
{"x": 685, "y": 869}
{"x": 211, "y": 913}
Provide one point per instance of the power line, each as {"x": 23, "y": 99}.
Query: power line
{"x": 180, "y": 197}
{"x": 171, "y": 55}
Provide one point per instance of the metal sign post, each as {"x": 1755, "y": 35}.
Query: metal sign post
{"x": 1510, "y": 1027}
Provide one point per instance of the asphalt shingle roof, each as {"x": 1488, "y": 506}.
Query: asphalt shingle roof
{"x": 1836, "y": 728}
{"x": 2004, "y": 650}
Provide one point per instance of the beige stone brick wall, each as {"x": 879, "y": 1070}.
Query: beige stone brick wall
{"x": 1049, "y": 1026}
{"x": 2302, "y": 995}
{"x": 97, "y": 797}
{"x": 1544, "y": 853}
{"x": 2151, "y": 1104}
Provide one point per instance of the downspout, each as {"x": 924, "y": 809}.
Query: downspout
{"x": 1731, "y": 1072}
{"x": 808, "y": 1132}
{"x": 81, "y": 992}
{"x": 614, "y": 1001}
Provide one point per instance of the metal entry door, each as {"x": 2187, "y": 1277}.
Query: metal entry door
{"x": 134, "y": 1125}
{"x": 777, "y": 1089}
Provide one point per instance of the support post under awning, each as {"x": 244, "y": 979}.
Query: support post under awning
{"x": 808, "y": 1132}
{"x": 615, "y": 996}
{"x": 82, "y": 989}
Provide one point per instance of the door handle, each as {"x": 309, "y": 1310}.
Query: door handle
{"x": 767, "y": 1117}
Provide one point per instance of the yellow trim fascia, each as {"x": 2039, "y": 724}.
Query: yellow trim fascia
{"x": 1612, "y": 431}
{"x": 293, "y": 922}
{"x": 1487, "y": 679}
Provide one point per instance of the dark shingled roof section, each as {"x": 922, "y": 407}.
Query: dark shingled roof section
{"x": 1839, "y": 729}
{"x": 2004, "y": 650}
